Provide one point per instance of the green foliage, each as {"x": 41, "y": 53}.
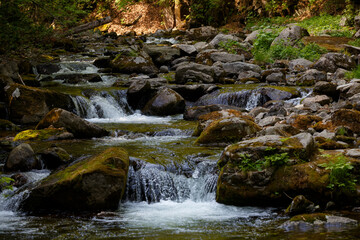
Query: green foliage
{"x": 230, "y": 46}
{"x": 355, "y": 43}
{"x": 262, "y": 45}
{"x": 354, "y": 73}
{"x": 5, "y": 183}
{"x": 247, "y": 164}
{"x": 340, "y": 177}
{"x": 271, "y": 160}
{"x": 311, "y": 51}
{"x": 277, "y": 159}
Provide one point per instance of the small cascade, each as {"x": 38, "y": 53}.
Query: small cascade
{"x": 103, "y": 105}
{"x": 77, "y": 67}
{"x": 246, "y": 99}
{"x": 152, "y": 183}
{"x": 304, "y": 94}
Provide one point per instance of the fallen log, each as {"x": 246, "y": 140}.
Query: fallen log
{"x": 89, "y": 25}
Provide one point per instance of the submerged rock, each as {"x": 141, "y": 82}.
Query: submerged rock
{"x": 94, "y": 184}
{"x": 60, "y": 118}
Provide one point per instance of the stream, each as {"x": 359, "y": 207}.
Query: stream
{"x": 170, "y": 193}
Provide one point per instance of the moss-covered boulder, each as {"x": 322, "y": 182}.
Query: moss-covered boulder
{"x": 7, "y": 125}
{"x": 303, "y": 122}
{"x": 60, "y": 118}
{"x": 264, "y": 170}
{"x": 44, "y": 134}
{"x": 93, "y": 184}
{"x": 227, "y": 130}
{"x": 133, "y": 62}
{"x": 300, "y": 205}
{"x": 347, "y": 117}
{"x": 165, "y": 102}
{"x": 54, "y": 157}
{"x": 28, "y": 105}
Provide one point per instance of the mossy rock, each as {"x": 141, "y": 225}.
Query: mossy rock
{"x": 43, "y": 134}
{"x": 347, "y": 117}
{"x": 328, "y": 144}
{"x": 133, "y": 62}
{"x": 304, "y": 122}
{"x": 227, "y": 130}
{"x": 7, "y": 125}
{"x": 310, "y": 217}
{"x": 93, "y": 184}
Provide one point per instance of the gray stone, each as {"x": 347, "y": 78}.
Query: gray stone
{"x": 269, "y": 121}
{"x": 200, "y": 71}
{"x": 226, "y": 57}
{"x": 330, "y": 62}
{"x": 22, "y": 158}
{"x": 310, "y": 77}
{"x": 276, "y": 77}
{"x": 237, "y": 67}
{"x": 223, "y": 38}
{"x": 290, "y": 36}
{"x": 354, "y": 153}
{"x": 325, "y": 134}
{"x": 162, "y": 55}
{"x": 299, "y": 65}
{"x": 202, "y": 33}
{"x": 320, "y": 99}
{"x": 186, "y": 49}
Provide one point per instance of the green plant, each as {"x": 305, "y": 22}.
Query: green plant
{"x": 230, "y": 46}
{"x": 247, "y": 164}
{"x": 354, "y": 73}
{"x": 355, "y": 43}
{"x": 312, "y": 51}
{"x": 277, "y": 159}
{"x": 5, "y": 183}
{"x": 340, "y": 177}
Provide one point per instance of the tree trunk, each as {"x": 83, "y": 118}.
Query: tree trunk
{"x": 177, "y": 13}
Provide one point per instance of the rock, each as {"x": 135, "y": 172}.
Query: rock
{"x": 163, "y": 69}
{"x": 204, "y": 57}
{"x": 330, "y": 62}
{"x": 227, "y": 130}
{"x": 165, "y": 102}
{"x": 102, "y": 62}
{"x": 283, "y": 130}
{"x": 47, "y": 68}
{"x": 94, "y": 184}
{"x": 353, "y": 153}
{"x": 193, "y": 92}
{"x": 223, "y": 38}
{"x": 54, "y": 157}
{"x": 162, "y": 55}
{"x": 276, "y": 77}
{"x": 79, "y": 78}
{"x": 234, "y": 68}
{"x": 347, "y": 117}
{"x": 326, "y": 88}
{"x": 349, "y": 89}
{"x": 44, "y": 134}
{"x": 290, "y": 36}
{"x": 133, "y": 62}
{"x": 28, "y": 105}
{"x": 194, "y": 72}
{"x": 269, "y": 121}
{"x": 226, "y": 57}
{"x": 22, "y": 158}
{"x": 304, "y": 122}
{"x": 194, "y": 113}
{"x": 202, "y": 33}
{"x": 310, "y": 77}
{"x": 19, "y": 180}
{"x": 246, "y": 76}
{"x": 6, "y": 125}
{"x": 60, "y": 118}
{"x": 317, "y": 220}
{"x": 201, "y": 46}
{"x": 325, "y": 134}
{"x": 187, "y": 50}
{"x": 258, "y": 171}
{"x": 318, "y": 99}
{"x": 300, "y": 205}
{"x": 300, "y": 65}
{"x": 139, "y": 93}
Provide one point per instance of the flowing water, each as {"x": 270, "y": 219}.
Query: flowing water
{"x": 171, "y": 182}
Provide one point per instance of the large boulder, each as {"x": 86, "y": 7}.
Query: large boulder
{"x": 43, "y": 134}
{"x": 162, "y": 55}
{"x": 227, "y": 130}
{"x": 194, "y": 72}
{"x": 93, "y": 184}
{"x": 165, "y": 102}
{"x": 310, "y": 77}
{"x": 28, "y": 105}
{"x": 54, "y": 157}
{"x": 139, "y": 93}
{"x": 202, "y": 33}
{"x": 234, "y": 68}
{"x": 347, "y": 117}
{"x": 330, "y": 62}
{"x": 22, "y": 158}
{"x": 223, "y": 38}
{"x": 194, "y": 113}
{"x": 260, "y": 171}
{"x": 60, "y": 118}
{"x": 290, "y": 36}
{"x": 133, "y": 62}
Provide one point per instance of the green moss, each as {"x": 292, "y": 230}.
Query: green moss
{"x": 309, "y": 218}
{"x": 42, "y": 134}
{"x": 7, "y": 125}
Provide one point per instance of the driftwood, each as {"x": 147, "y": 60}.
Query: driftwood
{"x": 132, "y": 23}
{"x": 90, "y": 25}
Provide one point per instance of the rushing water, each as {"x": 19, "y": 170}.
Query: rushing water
{"x": 171, "y": 182}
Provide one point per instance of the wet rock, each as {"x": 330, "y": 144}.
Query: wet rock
{"x": 234, "y": 68}
{"x": 202, "y": 33}
{"x": 227, "y": 130}
{"x": 290, "y": 36}
{"x": 102, "y": 62}
{"x": 326, "y": 88}
{"x": 300, "y": 205}
{"x": 139, "y": 93}
{"x": 223, "y": 38}
{"x": 246, "y": 76}
{"x": 193, "y": 92}
{"x": 6, "y": 125}
{"x": 300, "y": 65}
{"x": 330, "y": 62}
{"x": 133, "y": 62}
{"x": 60, "y": 118}
{"x": 47, "y": 68}
{"x": 19, "y": 180}
{"x": 283, "y": 130}
{"x": 194, "y": 113}
{"x": 28, "y": 105}
{"x": 310, "y": 77}
{"x": 162, "y": 55}
{"x": 44, "y": 134}
{"x": 250, "y": 174}
{"x": 22, "y": 158}
{"x": 194, "y": 72}
{"x": 94, "y": 184}
{"x": 79, "y": 78}
{"x": 165, "y": 102}
{"x": 54, "y": 157}
{"x": 318, "y": 220}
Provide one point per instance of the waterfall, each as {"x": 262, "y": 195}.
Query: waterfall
{"x": 152, "y": 183}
